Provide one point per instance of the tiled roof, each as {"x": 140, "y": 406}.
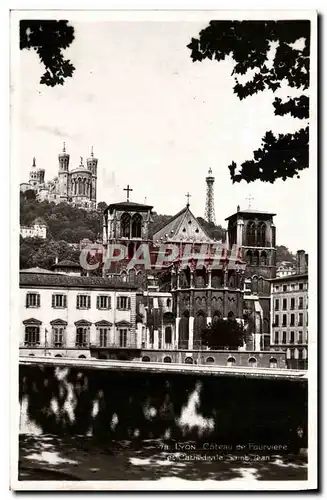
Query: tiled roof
{"x": 291, "y": 277}
{"x": 128, "y": 205}
{"x": 68, "y": 281}
{"x": 67, "y": 263}
{"x": 180, "y": 229}
{"x": 250, "y": 211}
{"x": 37, "y": 270}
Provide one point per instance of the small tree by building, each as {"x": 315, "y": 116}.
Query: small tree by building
{"x": 224, "y": 334}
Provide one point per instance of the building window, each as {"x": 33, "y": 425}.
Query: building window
{"x": 251, "y": 239}
{"x": 59, "y": 301}
{"x": 136, "y": 226}
{"x": 252, "y": 362}
{"x": 273, "y": 363}
{"x": 276, "y": 341}
{"x": 168, "y": 334}
{"x": 292, "y": 338}
{"x": 284, "y": 288}
{"x": 58, "y": 335}
{"x": 103, "y": 302}
{"x": 284, "y": 304}
{"x": 277, "y": 305}
{"x": 210, "y": 360}
{"x": 83, "y": 302}
{"x": 292, "y": 286}
{"x": 168, "y": 302}
{"x": 292, "y": 323}
{"x": 231, "y": 361}
{"x": 284, "y": 320}
{"x": 276, "y": 288}
{"x": 32, "y": 300}
{"x": 188, "y": 360}
{"x": 146, "y": 359}
{"x": 81, "y": 337}
{"x": 300, "y": 286}
{"x": 167, "y": 359}
{"x": 123, "y": 337}
{"x": 32, "y": 336}
{"x": 300, "y": 319}
{"x": 125, "y": 225}
{"x": 300, "y": 302}
{"x": 262, "y": 235}
{"x": 276, "y": 320}
{"x": 292, "y": 303}
{"x": 123, "y": 303}
{"x": 103, "y": 337}
{"x": 284, "y": 340}
{"x": 300, "y": 337}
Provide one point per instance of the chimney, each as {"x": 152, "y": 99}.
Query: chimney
{"x": 57, "y": 260}
{"x": 238, "y": 208}
{"x": 301, "y": 267}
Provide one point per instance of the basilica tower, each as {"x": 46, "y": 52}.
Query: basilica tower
{"x": 63, "y": 174}
{"x": 92, "y": 165}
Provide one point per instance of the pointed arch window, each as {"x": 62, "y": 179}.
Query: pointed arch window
{"x": 251, "y": 234}
{"x": 125, "y": 224}
{"x": 136, "y": 226}
{"x": 263, "y": 258}
{"x": 249, "y": 257}
{"x": 262, "y": 235}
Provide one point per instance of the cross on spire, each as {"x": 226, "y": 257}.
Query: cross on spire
{"x": 249, "y": 198}
{"x": 128, "y": 189}
{"x": 64, "y": 148}
{"x": 188, "y": 195}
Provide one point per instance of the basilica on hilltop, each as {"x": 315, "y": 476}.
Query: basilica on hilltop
{"x": 77, "y": 186}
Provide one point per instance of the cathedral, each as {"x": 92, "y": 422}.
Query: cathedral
{"x": 77, "y": 186}
{"x": 197, "y": 296}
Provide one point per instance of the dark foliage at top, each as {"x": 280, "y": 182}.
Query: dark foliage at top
{"x": 252, "y": 45}
{"x": 49, "y": 38}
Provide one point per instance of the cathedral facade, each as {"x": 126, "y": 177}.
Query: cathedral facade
{"x": 77, "y": 186}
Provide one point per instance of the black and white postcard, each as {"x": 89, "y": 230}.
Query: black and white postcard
{"x": 163, "y": 250}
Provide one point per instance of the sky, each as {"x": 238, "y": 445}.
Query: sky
{"x": 158, "y": 122}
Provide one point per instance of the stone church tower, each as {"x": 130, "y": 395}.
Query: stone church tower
{"x": 254, "y": 231}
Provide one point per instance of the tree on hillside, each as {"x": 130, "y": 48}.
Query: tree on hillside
{"x": 35, "y": 252}
{"x": 64, "y": 221}
{"x": 224, "y": 333}
{"x": 268, "y": 55}
{"x": 284, "y": 254}
{"x": 49, "y": 38}
{"x": 215, "y": 232}
{"x": 102, "y": 205}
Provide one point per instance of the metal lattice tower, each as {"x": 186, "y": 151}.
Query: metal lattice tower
{"x": 210, "y": 203}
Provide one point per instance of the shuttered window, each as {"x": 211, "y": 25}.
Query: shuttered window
{"x": 83, "y": 302}
{"x": 33, "y": 300}
{"x": 103, "y": 302}
{"x": 123, "y": 303}
{"x": 32, "y": 336}
{"x": 59, "y": 301}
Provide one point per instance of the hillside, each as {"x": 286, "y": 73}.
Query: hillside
{"x": 64, "y": 221}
